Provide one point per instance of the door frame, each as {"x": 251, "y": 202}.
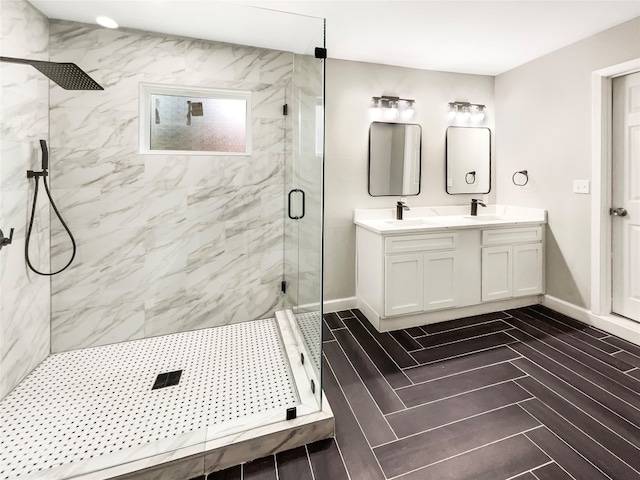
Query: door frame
{"x": 601, "y": 175}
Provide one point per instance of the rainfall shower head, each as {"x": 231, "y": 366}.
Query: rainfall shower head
{"x": 68, "y": 75}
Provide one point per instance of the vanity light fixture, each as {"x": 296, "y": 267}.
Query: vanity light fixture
{"x": 465, "y": 112}
{"x": 390, "y": 108}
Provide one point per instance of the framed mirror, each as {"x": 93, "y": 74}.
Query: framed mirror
{"x": 394, "y": 159}
{"x": 468, "y": 160}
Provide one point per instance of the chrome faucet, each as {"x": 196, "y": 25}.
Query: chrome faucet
{"x": 400, "y": 207}
{"x": 474, "y": 206}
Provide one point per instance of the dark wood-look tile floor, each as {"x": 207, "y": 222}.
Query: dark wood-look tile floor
{"x": 524, "y": 394}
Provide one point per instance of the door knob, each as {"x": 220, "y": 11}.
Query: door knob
{"x": 618, "y": 212}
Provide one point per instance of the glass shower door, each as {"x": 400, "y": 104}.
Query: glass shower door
{"x": 304, "y": 215}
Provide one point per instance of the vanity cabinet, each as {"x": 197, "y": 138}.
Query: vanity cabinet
{"x": 514, "y": 266}
{"x": 437, "y": 274}
{"x": 403, "y": 283}
{"x": 419, "y": 273}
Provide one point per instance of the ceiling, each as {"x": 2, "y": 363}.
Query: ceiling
{"x": 479, "y": 37}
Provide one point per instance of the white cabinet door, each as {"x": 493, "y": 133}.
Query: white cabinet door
{"x": 527, "y": 269}
{"x": 403, "y": 284}
{"x": 497, "y": 273}
{"x": 440, "y": 282}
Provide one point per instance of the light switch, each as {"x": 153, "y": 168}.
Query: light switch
{"x": 581, "y": 186}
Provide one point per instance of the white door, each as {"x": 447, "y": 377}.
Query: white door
{"x": 527, "y": 269}
{"x": 625, "y": 235}
{"x": 440, "y": 286}
{"x": 497, "y": 273}
{"x": 403, "y": 284}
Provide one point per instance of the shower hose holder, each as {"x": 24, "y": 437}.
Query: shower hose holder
{"x": 4, "y": 241}
{"x": 34, "y": 174}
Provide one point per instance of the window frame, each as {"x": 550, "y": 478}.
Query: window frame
{"x": 145, "y": 112}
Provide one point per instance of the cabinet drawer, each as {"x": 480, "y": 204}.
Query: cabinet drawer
{"x": 511, "y": 235}
{"x": 420, "y": 242}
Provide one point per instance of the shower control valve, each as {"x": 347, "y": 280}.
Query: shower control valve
{"x": 4, "y": 241}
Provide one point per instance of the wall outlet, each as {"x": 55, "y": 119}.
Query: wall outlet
{"x": 581, "y": 186}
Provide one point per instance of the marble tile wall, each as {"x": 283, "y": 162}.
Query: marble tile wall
{"x": 165, "y": 243}
{"x": 24, "y": 120}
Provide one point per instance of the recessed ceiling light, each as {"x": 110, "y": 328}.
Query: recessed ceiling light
{"x": 106, "y": 22}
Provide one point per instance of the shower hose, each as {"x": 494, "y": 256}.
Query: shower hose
{"x": 33, "y": 214}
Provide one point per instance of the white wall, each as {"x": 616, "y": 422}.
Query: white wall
{"x": 349, "y": 88}
{"x": 24, "y": 119}
{"x": 543, "y": 120}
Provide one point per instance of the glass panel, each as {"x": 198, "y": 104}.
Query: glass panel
{"x": 303, "y": 235}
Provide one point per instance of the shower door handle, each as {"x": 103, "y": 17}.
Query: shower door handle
{"x": 296, "y": 190}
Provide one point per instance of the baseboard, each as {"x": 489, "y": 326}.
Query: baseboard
{"x": 398, "y": 322}
{"x": 338, "y": 304}
{"x": 613, "y": 324}
{"x": 334, "y": 305}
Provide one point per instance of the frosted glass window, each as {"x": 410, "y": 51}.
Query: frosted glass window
{"x": 184, "y": 120}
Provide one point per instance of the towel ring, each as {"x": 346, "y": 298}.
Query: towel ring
{"x": 473, "y": 178}
{"x": 526, "y": 176}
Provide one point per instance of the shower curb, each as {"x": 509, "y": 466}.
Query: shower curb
{"x": 264, "y": 441}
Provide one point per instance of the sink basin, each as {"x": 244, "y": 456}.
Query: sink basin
{"x": 409, "y": 222}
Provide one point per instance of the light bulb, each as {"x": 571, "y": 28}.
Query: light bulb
{"x": 392, "y": 112}
{"x": 106, "y": 22}
{"x": 466, "y": 114}
{"x": 453, "y": 110}
{"x": 478, "y": 116}
{"x": 408, "y": 112}
{"x": 376, "y": 110}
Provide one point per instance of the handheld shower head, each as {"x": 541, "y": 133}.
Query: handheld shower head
{"x": 45, "y": 154}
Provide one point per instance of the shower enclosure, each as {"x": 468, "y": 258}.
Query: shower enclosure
{"x": 190, "y": 319}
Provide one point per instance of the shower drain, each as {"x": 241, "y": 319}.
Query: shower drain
{"x": 168, "y": 379}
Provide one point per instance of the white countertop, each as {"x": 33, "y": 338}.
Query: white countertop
{"x": 426, "y": 219}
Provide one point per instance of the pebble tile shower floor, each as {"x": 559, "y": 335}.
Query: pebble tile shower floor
{"x": 308, "y": 325}
{"x": 86, "y": 403}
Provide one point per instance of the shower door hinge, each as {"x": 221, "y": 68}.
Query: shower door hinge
{"x": 285, "y": 109}
{"x": 292, "y": 413}
{"x": 283, "y": 286}
{"x": 321, "y": 52}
